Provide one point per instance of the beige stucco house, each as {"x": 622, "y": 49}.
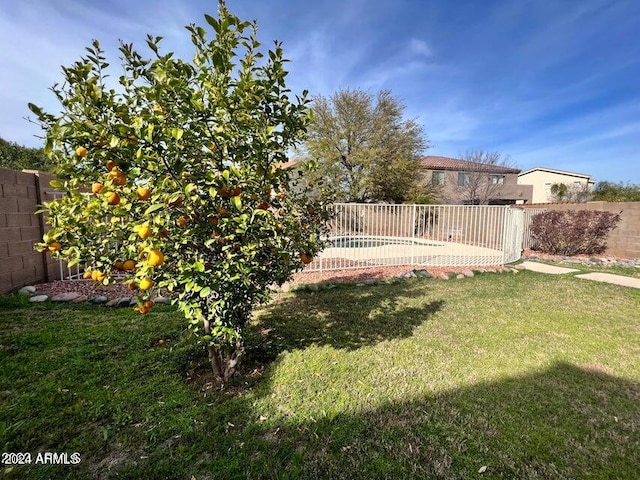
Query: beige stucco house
{"x": 542, "y": 178}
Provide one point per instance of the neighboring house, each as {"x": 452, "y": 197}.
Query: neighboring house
{"x": 465, "y": 182}
{"x": 542, "y": 179}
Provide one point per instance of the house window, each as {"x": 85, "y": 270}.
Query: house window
{"x": 437, "y": 178}
{"x": 496, "y": 179}
{"x": 464, "y": 179}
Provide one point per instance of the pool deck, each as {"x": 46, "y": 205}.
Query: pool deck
{"x": 433, "y": 253}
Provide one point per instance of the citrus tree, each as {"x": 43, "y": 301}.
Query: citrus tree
{"x": 173, "y": 178}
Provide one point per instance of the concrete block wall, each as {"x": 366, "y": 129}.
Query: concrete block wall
{"x": 21, "y": 228}
{"x": 624, "y": 240}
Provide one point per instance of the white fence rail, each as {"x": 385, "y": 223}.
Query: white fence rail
{"x": 373, "y": 235}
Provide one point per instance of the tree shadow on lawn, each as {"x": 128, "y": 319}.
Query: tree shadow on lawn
{"x": 562, "y": 422}
{"x": 344, "y": 318}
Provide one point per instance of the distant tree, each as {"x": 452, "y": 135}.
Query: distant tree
{"x": 616, "y": 192}
{"x": 17, "y": 157}
{"x": 478, "y": 186}
{"x": 365, "y": 147}
{"x": 574, "y": 193}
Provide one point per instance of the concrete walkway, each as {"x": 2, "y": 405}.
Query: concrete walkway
{"x": 621, "y": 280}
{"x": 610, "y": 278}
{"x": 544, "y": 268}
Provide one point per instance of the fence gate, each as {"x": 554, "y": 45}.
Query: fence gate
{"x": 513, "y": 234}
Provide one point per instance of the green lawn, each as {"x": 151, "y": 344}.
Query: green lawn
{"x": 531, "y": 376}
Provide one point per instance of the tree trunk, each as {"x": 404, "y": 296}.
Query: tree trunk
{"x": 224, "y": 361}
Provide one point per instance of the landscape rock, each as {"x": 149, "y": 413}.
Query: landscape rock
{"x": 28, "y": 290}
{"x": 99, "y": 299}
{"x": 80, "y": 299}
{"x": 39, "y": 298}
{"x": 371, "y": 282}
{"x": 422, "y": 273}
{"x": 468, "y": 273}
{"x": 407, "y": 275}
{"x": 460, "y": 276}
{"x": 124, "y": 302}
{"x": 65, "y": 297}
{"x": 160, "y": 300}
{"x": 451, "y": 274}
{"x": 443, "y": 276}
{"x": 112, "y": 303}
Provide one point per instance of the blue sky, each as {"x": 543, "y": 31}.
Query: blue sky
{"x": 549, "y": 83}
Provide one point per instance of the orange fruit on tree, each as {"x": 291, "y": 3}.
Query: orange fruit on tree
{"x": 143, "y": 193}
{"x": 117, "y": 176}
{"x": 129, "y": 265}
{"x": 306, "y": 259}
{"x": 98, "y": 276}
{"x": 155, "y": 258}
{"x": 119, "y": 265}
{"x": 182, "y": 221}
{"x": 81, "y": 152}
{"x": 111, "y": 165}
{"x": 54, "y": 246}
{"x": 163, "y": 233}
{"x": 96, "y": 187}
{"x": 146, "y": 283}
{"x": 113, "y": 198}
{"x": 86, "y": 274}
{"x": 144, "y": 231}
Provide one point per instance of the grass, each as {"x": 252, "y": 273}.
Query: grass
{"x": 530, "y": 376}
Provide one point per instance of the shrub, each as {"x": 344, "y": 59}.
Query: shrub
{"x": 572, "y": 232}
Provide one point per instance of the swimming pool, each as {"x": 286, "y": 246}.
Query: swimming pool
{"x": 371, "y": 242}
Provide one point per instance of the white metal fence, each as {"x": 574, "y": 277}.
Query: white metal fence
{"x": 528, "y": 215}
{"x": 370, "y": 235}
{"x": 373, "y": 235}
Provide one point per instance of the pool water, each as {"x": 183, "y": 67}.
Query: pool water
{"x": 365, "y": 242}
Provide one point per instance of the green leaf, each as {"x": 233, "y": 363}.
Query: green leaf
{"x": 56, "y": 184}
{"x": 154, "y": 208}
{"x": 213, "y": 22}
{"x": 205, "y": 292}
{"x": 213, "y": 192}
{"x": 177, "y": 133}
{"x": 236, "y": 202}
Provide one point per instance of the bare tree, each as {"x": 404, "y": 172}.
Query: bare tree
{"x": 483, "y": 177}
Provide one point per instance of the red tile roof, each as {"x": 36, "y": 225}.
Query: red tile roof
{"x": 444, "y": 163}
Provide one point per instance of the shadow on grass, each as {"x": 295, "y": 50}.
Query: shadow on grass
{"x": 348, "y": 318}
{"x": 563, "y": 422}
